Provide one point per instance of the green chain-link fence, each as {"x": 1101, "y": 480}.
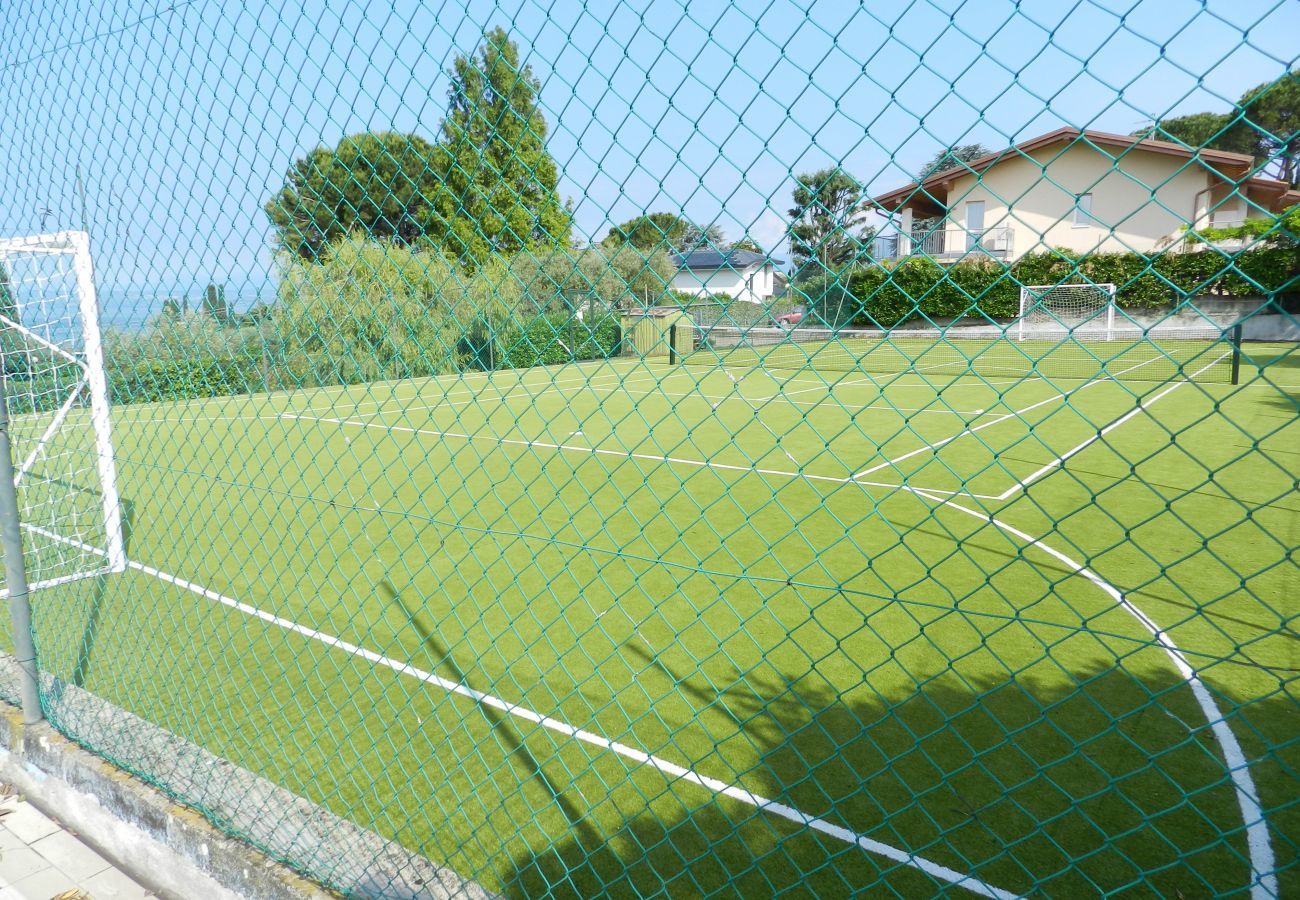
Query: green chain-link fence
{"x": 654, "y": 448}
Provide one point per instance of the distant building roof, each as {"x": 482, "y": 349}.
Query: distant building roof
{"x": 934, "y": 189}
{"x": 721, "y": 259}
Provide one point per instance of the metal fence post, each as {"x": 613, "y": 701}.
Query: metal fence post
{"x": 20, "y": 610}
{"x": 1236, "y": 353}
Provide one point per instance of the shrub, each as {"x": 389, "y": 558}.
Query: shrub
{"x": 369, "y": 311}
{"x": 183, "y": 357}
{"x": 555, "y": 339}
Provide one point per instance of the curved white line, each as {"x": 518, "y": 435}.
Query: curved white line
{"x": 1262, "y": 864}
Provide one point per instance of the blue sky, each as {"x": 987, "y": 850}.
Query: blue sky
{"x": 183, "y": 116}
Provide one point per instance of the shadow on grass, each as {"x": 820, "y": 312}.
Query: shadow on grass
{"x": 501, "y": 723}
{"x": 1069, "y": 785}
{"x": 86, "y": 646}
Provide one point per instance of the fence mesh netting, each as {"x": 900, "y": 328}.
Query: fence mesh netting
{"x": 652, "y": 448}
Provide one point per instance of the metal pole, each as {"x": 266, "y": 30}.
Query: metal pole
{"x": 1236, "y": 353}
{"x": 672, "y": 344}
{"x": 20, "y": 610}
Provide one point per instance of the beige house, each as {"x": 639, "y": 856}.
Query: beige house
{"x": 1086, "y": 191}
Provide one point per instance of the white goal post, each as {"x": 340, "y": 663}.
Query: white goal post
{"x": 56, "y": 394}
{"x": 1066, "y": 310}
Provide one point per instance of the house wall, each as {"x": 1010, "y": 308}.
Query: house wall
{"x": 1227, "y": 206}
{"x": 753, "y": 285}
{"x": 1139, "y": 202}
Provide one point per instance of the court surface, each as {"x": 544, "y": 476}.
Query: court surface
{"x": 780, "y": 627}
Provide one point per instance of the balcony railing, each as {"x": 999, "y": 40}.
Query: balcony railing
{"x": 951, "y": 243}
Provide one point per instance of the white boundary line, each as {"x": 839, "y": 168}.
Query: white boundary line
{"x": 622, "y": 454}
{"x": 641, "y": 757}
{"x": 1263, "y": 866}
{"x": 930, "y": 448}
{"x": 1011, "y": 415}
{"x": 1145, "y": 403}
{"x": 515, "y": 391}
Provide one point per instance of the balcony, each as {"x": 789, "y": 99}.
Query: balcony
{"x": 947, "y": 244}
{"x": 1205, "y": 238}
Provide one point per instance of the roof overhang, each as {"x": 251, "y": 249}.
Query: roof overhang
{"x": 931, "y": 194}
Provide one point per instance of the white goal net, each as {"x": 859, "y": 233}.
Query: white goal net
{"x": 1054, "y": 311}
{"x": 57, "y": 400}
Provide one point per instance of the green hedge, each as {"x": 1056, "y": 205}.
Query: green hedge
{"x": 886, "y": 296}
{"x": 554, "y": 339}
{"x": 153, "y": 380}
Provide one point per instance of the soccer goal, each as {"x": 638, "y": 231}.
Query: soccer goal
{"x": 56, "y": 398}
{"x": 1066, "y": 310}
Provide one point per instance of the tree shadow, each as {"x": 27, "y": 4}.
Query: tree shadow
{"x": 585, "y": 835}
{"x": 1062, "y": 784}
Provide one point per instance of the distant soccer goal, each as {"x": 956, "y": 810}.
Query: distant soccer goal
{"x": 56, "y": 396}
{"x": 1066, "y": 310}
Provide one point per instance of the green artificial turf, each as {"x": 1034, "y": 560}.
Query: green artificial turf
{"x": 680, "y": 559}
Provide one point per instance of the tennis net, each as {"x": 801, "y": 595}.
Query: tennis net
{"x": 1203, "y": 353}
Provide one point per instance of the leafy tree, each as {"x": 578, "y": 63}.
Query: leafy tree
{"x": 214, "y": 304}
{"x": 702, "y": 237}
{"x": 652, "y": 231}
{"x": 1265, "y": 124}
{"x": 828, "y": 228}
{"x": 1218, "y": 131}
{"x": 378, "y": 184}
{"x": 1272, "y": 113}
{"x": 500, "y": 181}
{"x": 665, "y": 231}
{"x": 747, "y": 243}
{"x": 619, "y": 276}
{"x": 367, "y": 310}
{"x": 952, "y": 158}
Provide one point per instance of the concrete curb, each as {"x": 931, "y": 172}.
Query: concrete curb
{"x": 167, "y": 847}
{"x": 42, "y": 763}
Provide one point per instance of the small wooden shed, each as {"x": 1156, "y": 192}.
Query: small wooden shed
{"x": 649, "y": 332}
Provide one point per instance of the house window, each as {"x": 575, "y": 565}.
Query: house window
{"x": 1083, "y": 211}
{"x": 974, "y": 223}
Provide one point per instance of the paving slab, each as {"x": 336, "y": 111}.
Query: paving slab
{"x": 40, "y": 859}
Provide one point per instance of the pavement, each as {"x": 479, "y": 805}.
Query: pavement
{"x": 43, "y": 860}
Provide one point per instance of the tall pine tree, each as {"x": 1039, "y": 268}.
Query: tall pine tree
{"x": 500, "y": 182}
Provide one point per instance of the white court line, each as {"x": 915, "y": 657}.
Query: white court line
{"x": 833, "y": 402}
{"x": 513, "y": 392}
{"x": 622, "y": 454}
{"x": 1142, "y": 406}
{"x": 641, "y": 757}
{"x": 480, "y": 400}
{"x": 929, "y": 448}
{"x": 1263, "y": 866}
{"x": 644, "y": 392}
